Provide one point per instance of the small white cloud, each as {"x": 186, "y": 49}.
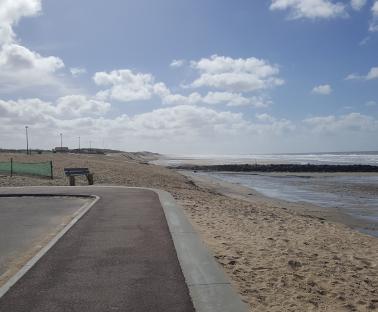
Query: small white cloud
{"x": 79, "y": 105}
{"x": 374, "y": 8}
{"x": 358, "y": 4}
{"x": 125, "y": 85}
{"x": 77, "y": 71}
{"x": 265, "y": 117}
{"x": 177, "y": 63}
{"x": 211, "y": 98}
{"x": 312, "y": 9}
{"x": 322, "y": 89}
{"x": 353, "y": 77}
{"x": 372, "y": 74}
{"x": 374, "y": 21}
{"x": 235, "y": 99}
{"x": 353, "y": 122}
{"x": 364, "y": 41}
{"x": 371, "y": 103}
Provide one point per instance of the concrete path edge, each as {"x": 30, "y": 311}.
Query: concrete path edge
{"x": 209, "y": 288}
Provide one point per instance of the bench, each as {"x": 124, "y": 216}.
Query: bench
{"x": 71, "y": 173}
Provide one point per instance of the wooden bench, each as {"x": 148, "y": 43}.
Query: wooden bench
{"x": 71, "y": 173}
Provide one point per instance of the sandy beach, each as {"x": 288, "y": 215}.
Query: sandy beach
{"x": 279, "y": 257}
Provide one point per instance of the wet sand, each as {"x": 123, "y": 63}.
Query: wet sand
{"x": 279, "y": 257}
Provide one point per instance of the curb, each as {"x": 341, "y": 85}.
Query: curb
{"x": 209, "y": 288}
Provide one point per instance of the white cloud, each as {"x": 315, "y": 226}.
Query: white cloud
{"x": 125, "y": 85}
{"x": 21, "y": 68}
{"x": 236, "y": 75}
{"x": 35, "y": 110}
{"x": 234, "y": 78}
{"x": 168, "y": 98}
{"x": 353, "y": 122}
{"x": 311, "y": 9}
{"x": 11, "y": 11}
{"x": 373, "y": 27}
{"x": 371, "y": 103}
{"x": 374, "y": 8}
{"x": 235, "y": 99}
{"x": 358, "y": 4}
{"x": 372, "y": 74}
{"x": 265, "y": 117}
{"x": 211, "y": 98}
{"x": 77, "y": 71}
{"x": 80, "y": 105}
{"x": 186, "y": 128}
{"x": 325, "y": 89}
{"x": 177, "y": 63}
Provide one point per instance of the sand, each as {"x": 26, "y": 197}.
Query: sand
{"x": 278, "y": 258}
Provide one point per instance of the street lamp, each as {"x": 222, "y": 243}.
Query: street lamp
{"x": 61, "y": 141}
{"x": 79, "y": 145}
{"x": 27, "y": 140}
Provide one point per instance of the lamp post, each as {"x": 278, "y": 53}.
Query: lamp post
{"x": 79, "y": 145}
{"x": 61, "y": 141}
{"x": 27, "y": 140}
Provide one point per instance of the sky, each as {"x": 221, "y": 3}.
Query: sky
{"x": 190, "y": 77}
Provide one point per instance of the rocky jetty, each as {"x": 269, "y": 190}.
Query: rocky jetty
{"x": 281, "y": 168}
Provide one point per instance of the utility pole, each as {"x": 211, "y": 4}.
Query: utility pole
{"x": 27, "y": 140}
{"x": 79, "y": 145}
{"x": 61, "y": 141}
{"x": 90, "y": 146}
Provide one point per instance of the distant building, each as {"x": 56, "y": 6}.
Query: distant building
{"x": 62, "y": 149}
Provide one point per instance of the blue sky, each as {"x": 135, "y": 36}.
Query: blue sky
{"x": 191, "y": 76}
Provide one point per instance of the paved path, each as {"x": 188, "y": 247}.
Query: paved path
{"x": 26, "y": 223}
{"x": 118, "y": 257}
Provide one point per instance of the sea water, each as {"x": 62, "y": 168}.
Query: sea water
{"x": 353, "y": 194}
{"x": 350, "y": 158}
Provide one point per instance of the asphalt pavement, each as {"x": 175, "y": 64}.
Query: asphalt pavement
{"x": 26, "y": 223}
{"x": 118, "y": 257}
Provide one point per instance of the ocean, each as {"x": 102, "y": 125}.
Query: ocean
{"x": 353, "y": 194}
{"x": 344, "y": 158}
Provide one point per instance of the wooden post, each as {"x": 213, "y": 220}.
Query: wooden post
{"x": 11, "y": 167}
{"x": 51, "y": 168}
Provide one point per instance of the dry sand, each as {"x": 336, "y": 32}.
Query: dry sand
{"x": 278, "y": 259}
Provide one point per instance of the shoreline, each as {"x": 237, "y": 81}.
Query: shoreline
{"x": 241, "y": 192}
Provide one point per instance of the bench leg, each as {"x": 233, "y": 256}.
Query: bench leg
{"x": 90, "y": 179}
{"x": 72, "y": 180}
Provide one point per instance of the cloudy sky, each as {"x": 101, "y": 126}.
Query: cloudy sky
{"x": 199, "y": 76}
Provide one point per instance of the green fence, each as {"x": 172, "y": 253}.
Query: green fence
{"x": 44, "y": 169}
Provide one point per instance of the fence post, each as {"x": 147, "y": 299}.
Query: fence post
{"x": 51, "y": 168}
{"x": 11, "y": 167}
